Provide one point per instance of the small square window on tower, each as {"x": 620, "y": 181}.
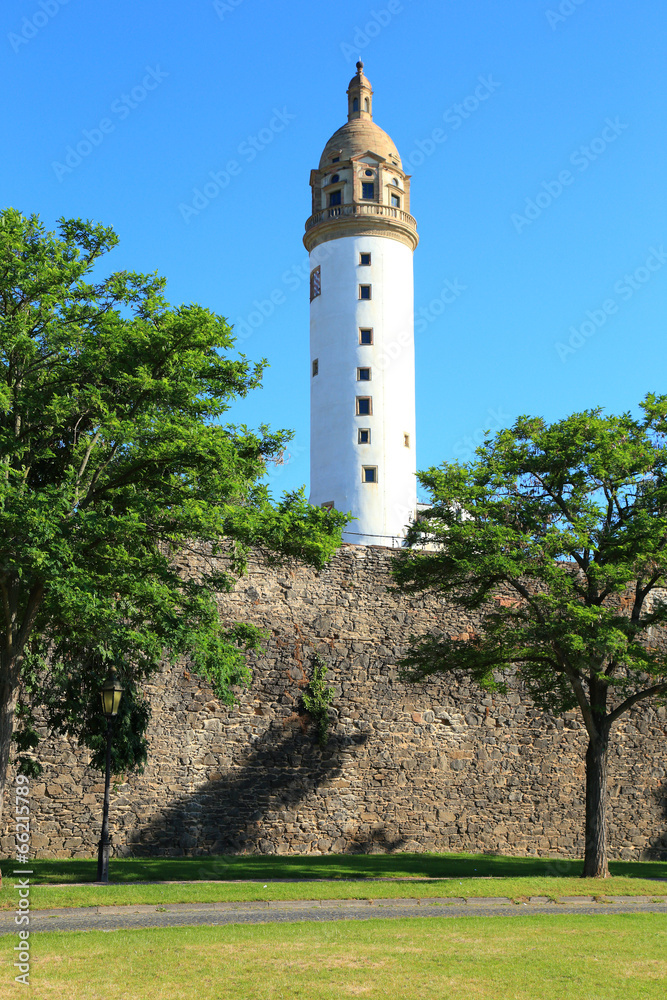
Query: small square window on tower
{"x": 365, "y": 336}
{"x": 315, "y": 283}
{"x": 365, "y": 259}
{"x": 364, "y": 291}
{"x": 316, "y": 367}
{"x": 368, "y": 191}
{"x": 406, "y": 440}
{"x": 363, "y": 374}
{"x": 364, "y": 406}
{"x": 364, "y": 435}
{"x": 369, "y": 473}
{"x": 329, "y": 505}
{"x": 395, "y": 200}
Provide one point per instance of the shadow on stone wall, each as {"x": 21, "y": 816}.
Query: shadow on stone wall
{"x": 657, "y": 851}
{"x": 226, "y": 814}
{"x": 379, "y": 842}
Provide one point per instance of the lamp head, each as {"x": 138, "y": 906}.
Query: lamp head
{"x": 111, "y": 693}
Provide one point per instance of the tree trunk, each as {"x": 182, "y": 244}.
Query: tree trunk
{"x": 9, "y": 694}
{"x": 11, "y": 664}
{"x": 595, "y": 858}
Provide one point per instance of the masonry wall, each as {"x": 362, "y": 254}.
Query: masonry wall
{"x": 439, "y": 766}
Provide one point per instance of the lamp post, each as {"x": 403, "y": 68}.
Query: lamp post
{"x": 110, "y": 693}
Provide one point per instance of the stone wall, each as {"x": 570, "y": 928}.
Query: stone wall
{"x": 437, "y": 766}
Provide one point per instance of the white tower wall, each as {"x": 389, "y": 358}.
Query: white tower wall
{"x": 361, "y": 233}
{"x": 382, "y": 508}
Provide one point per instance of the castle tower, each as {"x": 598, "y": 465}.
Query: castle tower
{"x": 361, "y": 238}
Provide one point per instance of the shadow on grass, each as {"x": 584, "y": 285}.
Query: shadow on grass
{"x": 329, "y": 866}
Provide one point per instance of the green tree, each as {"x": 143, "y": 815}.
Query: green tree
{"x": 555, "y": 536}
{"x": 114, "y": 465}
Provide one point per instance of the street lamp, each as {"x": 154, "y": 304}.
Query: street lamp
{"x": 110, "y": 693}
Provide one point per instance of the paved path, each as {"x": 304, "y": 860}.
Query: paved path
{"x": 109, "y": 918}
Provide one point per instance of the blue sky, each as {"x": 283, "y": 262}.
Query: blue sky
{"x": 535, "y": 133}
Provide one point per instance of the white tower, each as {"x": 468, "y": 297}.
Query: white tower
{"x": 361, "y": 238}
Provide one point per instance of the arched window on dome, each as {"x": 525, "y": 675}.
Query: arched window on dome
{"x": 355, "y": 103}
{"x": 367, "y": 104}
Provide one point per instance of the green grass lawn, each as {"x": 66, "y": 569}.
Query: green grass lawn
{"x": 327, "y": 866}
{"x": 498, "y": 958}
{"x": 258, "y": 877}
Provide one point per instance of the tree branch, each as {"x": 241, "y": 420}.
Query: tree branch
{"x": 89, "y": 451}
{"x": 577, "y": 687}
{"x": 6, "y": 609}
{"x": 633, "y": 699}
{"x": 34, "y": 601}
{"x": 527, "y": 596}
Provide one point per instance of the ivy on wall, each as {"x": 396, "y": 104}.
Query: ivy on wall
{"x": 316, "y": 697}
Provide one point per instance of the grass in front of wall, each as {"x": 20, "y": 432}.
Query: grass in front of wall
{"x": 226, "y": 879}
{"x": 262, "y": 867}
{"x": 57, "y": 897}
{"x": 550, "y": 958}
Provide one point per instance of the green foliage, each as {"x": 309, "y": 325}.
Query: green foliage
{"x": 556, "y": 536}
{"x": 316, "y": 697}
{"x": 115, "y": 464}
{"x": 71, "y": 701}
{"x": 26, "y": 740}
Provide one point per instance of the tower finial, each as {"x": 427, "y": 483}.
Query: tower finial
{"x": 359, "y": 96}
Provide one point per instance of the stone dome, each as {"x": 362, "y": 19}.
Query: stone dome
{"x": 359, "y": 80}
{"x": 355, "y": 138}
{"x": 358, "y": 194}
{"x": 360, "y": 134}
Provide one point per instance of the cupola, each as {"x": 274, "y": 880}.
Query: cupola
{"x": 360, "y": 182}
{"x": 360, "y": 96}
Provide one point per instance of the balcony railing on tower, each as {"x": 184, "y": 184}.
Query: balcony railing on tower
{"x": 388, "y": 211}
